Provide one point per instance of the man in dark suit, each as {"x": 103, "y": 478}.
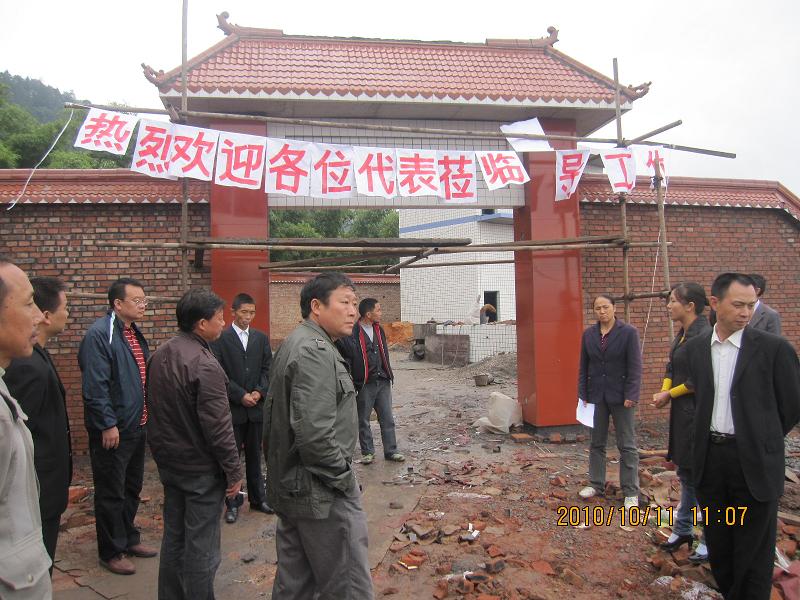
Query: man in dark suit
{"x": 245, "y": 356}
{"x": 747, "y": 392}
{"x": 35, "y": 383}
{"x": 765, "y": 317}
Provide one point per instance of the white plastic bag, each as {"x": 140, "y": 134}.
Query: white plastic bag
{"x": 503, "y": 413}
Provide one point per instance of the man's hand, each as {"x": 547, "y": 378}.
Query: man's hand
{"x": 629, "y": 403}
{"x": 661, "y": 399}
{"x": 234, "y": 489}
{"x": 256, "y": 395}
{"x": 111, "y": 438}
{"x": 248, "y": 400}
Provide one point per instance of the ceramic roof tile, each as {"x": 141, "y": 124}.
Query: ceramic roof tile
{"x": 273, "y": 63}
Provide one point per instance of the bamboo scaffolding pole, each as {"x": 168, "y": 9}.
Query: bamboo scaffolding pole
{"x": 405, "y": 263}
{"x": 659, "y": 294}
{"x": 662, "y": 234}
{"x": 397, "y": 128}
{"x": 360, "y": 242}
{"x": 184, "y": 180}
{"x": 623, "y": 214}
{"x": 104, "y": 297}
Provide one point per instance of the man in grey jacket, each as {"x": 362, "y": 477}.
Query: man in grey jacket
{"x": 23, "y": 557}
{"x": 765, "y": 317}
{"x": 310, "y": 433}
{"x": 191, "y": 438}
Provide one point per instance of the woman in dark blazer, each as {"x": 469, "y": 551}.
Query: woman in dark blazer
{"x": 685, "y": 308}
{"x": 610, "y": 377}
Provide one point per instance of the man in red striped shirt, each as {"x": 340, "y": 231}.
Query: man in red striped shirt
{"x": 112, "y": 357}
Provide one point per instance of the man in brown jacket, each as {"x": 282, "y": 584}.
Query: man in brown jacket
{"x": 192, "y": 441}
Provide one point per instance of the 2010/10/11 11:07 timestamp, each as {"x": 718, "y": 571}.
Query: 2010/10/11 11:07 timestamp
{"x": 574, "y": 516}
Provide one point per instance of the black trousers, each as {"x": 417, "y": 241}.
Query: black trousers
{"x": 50, "y": 536}
{"x": 249, "y": 434}
{"x": 118, "y": 474}
{"x": 741, "y": 554}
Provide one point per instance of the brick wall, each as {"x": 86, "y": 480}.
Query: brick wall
{"x": 284, "y": 301}
{"x": 62, "y": 240}
{"x": 706, "y": 241}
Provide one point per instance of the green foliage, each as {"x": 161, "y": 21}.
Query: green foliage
{"x": 8, "y": 158}
{"x": 15, "y": 119}
{"x": 340, "y": 223}
{"x": 43, "y": 102}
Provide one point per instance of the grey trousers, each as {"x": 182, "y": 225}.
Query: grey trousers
{"x": 624, "y": 426}
{"x": 190, "y": 552}
{"x": 378, "y": 395}
{"x": 324, "y": 559}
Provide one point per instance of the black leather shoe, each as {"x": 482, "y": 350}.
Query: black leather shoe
{"x": 231, "y": 514}
{"x": 673, "y": 546}
{"x": 697, "y": 559}
{"x": 263, "y": 507}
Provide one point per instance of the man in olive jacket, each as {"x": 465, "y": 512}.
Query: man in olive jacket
{"x": 310, "y": 433}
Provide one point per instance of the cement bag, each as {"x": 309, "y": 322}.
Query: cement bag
{"x": 503, "y": 413}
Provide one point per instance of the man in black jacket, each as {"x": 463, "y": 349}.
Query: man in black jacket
{"x": 35, "y": 383}
{"x": 245, "y": 356}
{"x": 368, "y": 356}
{"x": 747, "y": 392}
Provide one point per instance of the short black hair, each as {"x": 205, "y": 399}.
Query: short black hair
{"x": 320, "y": 288}
{"x": 47, "y": 292}
{"x": 4, "y": 260}
{"x": 240, "y": 299}
{"x": 366, "y": 305}
{"x": 608, "y": 297}
{"x": 117, "y": 289}
{"x": 196, "y": 305}
{"x": 689, "y": 291}
{"x": 724, "y": 280}
{"x": 759, "y": 282}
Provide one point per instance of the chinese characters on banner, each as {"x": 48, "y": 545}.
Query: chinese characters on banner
{"x": 375, "y": 172}
{"x": 620, "y": 167}
{"x": 501, "y": 168}
{"x": 107, "y": 131}
{"x": 457, "y": 177}
{"x": 288, "y": 167}
{"x": 151, "y": 154}
{"x": 569, "y": 168}
{"x": 298, "y": 168}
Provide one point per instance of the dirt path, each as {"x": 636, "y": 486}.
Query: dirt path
{"x": 521, "y": 497}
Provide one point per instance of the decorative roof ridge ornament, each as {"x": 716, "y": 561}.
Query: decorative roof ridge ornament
{"x": 640, "y": 90}
{"x": 231, "y": 29}
{"x": 152, "y": 75}
{"x": 543, "y": 42}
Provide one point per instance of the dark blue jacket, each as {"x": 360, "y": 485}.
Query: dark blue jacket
{"x": 111, "y": 382}
{"x": 614, "y": 375}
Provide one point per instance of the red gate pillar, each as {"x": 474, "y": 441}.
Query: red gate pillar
{"x": 549, "y": 295}
{"x": 240, "y": 213}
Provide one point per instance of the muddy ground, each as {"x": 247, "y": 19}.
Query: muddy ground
{"x": 469, "y": 515}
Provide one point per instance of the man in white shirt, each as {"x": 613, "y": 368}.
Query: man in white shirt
{"x": 747, "y": 392}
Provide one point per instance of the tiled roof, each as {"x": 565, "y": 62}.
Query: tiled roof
{"x": 95, "y": 186}
{"x": 692, "y": 191}
{"x": 267, "y": 62}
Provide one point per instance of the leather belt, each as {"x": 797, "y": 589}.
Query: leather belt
{"x": 721, "y": 438}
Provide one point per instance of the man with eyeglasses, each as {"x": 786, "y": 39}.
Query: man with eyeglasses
{"x": 112, "y": 358}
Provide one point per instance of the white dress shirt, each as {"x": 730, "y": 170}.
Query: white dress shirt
{"x": 368, "y": 330}
{"x": 723, "y": 361}
{"x": 243, "y": 334}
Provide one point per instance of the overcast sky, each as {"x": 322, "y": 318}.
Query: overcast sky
{"x": 730, "y": 70}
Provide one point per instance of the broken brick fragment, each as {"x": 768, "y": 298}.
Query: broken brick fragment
{"x": 442, "y": 590}
{"x": 465, "y": 587}
{"x": 543, "y": 567}
{"x": 555, "y": 438}
{"x": 495, "y": 551}
{"x": 558, "y": 481}
{"x": 390, "y": 591}
{"x": 521, "y": 438}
